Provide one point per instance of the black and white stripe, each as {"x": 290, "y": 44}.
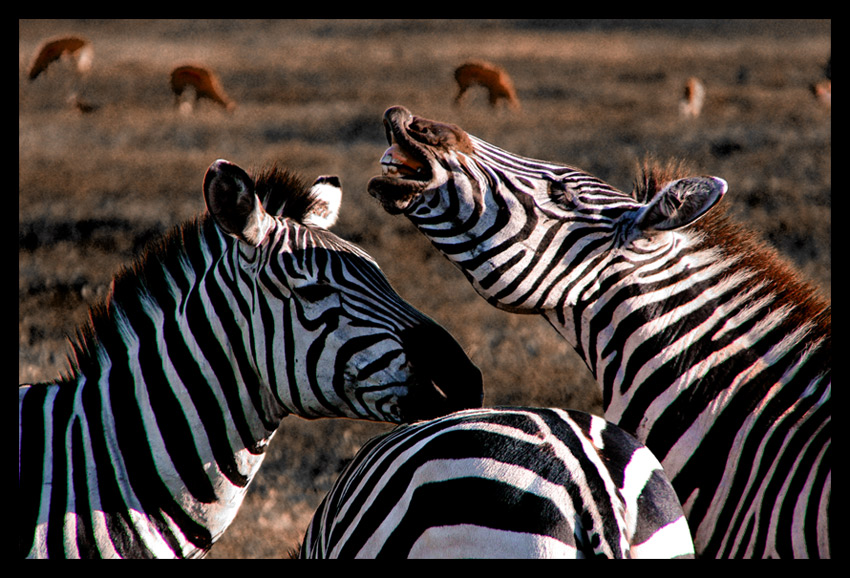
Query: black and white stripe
{"x": 234, "y": 321}
{"x": 706, "y": 347}
{"x": 502, "y": 483}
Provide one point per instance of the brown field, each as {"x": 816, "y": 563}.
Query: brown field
{"x": 94, "y": 188}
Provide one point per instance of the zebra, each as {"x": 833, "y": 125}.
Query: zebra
{"x": 507, "y": 482}
{"x": 705, "y": 345}
{"x": 235, "y": 320}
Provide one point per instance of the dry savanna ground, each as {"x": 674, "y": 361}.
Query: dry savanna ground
{"x": 95, "y": 188}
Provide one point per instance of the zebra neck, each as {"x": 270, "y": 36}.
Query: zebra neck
{"x": 169, "y": 400}
{"x": 158, "y": 452}
{"x": 707, "y": 322}
{"x": 175, "y": 327}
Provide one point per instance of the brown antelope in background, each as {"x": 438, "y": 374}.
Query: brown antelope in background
{"x": 490, "y": 76}
{"x": 203, "y": 82}
{"x": 78, "y": 53}
{"x": 691, "y": 104}
{"x": 823, "y": 88}
{"x": 823, "y": 92}
{"x": 70, "y": 48}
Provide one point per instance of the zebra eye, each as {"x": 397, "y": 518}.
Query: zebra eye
{"x": 561, "y": 194}
{"x": 315, "y": 292}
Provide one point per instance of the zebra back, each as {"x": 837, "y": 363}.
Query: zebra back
{"x": 502, "y": 483}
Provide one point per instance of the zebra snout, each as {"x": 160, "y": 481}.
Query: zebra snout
{"x": 446, "y": 380}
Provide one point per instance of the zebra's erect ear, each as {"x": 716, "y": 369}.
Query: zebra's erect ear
{"x": 680, "y": 203}
{"x": 325, "y": 200}
{"x": 229, "y": 194}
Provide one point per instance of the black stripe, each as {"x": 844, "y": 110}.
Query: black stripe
{"x": 477, "y": 501}
{"x": 223, "y": 293}
{"x": 120, "y": 529}
{"x": 31, "y": 458}
{"x": 60, "y": 414}
{"x": 152, "y": 494}
{"x": 86, "y": 543}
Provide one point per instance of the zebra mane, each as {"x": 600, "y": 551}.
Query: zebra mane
{"x": 739, "y": 242}
{"x": 147, "y": 271}
{"x": 282, "y": 193}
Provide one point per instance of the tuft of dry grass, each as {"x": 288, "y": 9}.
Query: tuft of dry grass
{"x": 94, "y": 188}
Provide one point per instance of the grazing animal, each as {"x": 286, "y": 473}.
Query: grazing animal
{"x": 72, "y": 48}
{"x": 178, "y": 383}
{"x": 823, "y": 88}
{"x": 491, "y": 77}
{"x": 705, "y": 344}
{"x": 694, "y": 97}
{"x": 502, "y": 483}
{"x": 200, "y": 81}
{"x": 823, "y": 92}
{"x": 78, "y": 54}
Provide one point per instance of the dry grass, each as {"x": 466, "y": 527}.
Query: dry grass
{"x": 93, "y": 189}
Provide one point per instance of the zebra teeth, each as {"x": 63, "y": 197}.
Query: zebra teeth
{"x": 395, "y": 163}
{"x": 389, "y": 170}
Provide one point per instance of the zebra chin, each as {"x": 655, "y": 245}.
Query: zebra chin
{"x": 395, "y": 194}
{"x": 428, "y": 401}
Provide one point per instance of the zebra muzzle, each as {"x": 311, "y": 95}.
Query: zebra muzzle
{"x": 446, "y": 379}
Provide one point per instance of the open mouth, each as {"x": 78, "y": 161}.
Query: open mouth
{"x": 396, "y": 163}
{"x": 408, "y": 165}
{"x": 406, "y": 158}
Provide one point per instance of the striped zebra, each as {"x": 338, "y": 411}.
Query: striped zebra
{"x": 706, "y": 346}
{"x": 178, "y": 383}
{"x": 502, "y": 483}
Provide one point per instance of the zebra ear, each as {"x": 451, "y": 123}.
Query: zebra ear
{"x": 680, "y": 203}
{"x": 325, "y": 200}
{"x": 230, "y": 199}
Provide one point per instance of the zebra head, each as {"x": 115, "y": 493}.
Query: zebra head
{"x": 328, "y": 334}
{"x": 511, "y": 223}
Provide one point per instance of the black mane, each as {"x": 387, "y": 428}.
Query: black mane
{"x": 283, "y": 193}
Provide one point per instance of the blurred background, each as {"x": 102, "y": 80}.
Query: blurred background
{"x": 107, "y": 162}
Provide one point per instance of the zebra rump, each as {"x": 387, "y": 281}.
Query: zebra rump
{"x": 502, "y": 483}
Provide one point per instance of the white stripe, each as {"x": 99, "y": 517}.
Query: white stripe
{"x": 443, "y": 470}
{"x": 468, "y": 541}
{"x": 670, "y": 541}
{"x": 639, "y": 470}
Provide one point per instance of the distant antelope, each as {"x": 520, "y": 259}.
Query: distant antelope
{"x": 490, "y": 76}
{"x": 691, "y": 105}
{"x": 823, "y": 92}
{"x": 823, "y": 88}
{"x": 205, "y": 84}
{"x": 79, "y": 50}
{"x": 78, "y": 54}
